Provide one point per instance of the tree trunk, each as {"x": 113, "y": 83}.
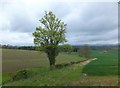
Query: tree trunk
{"x": 52, "y": 63}
{"x": 52, "y": 52}
{"x": 51, "y": 56}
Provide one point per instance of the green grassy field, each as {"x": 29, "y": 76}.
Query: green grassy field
{"x": 37, "y": 63}
{"x": 106, "y": 64}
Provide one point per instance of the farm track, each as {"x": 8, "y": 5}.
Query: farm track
{"x": 85, "y": 62}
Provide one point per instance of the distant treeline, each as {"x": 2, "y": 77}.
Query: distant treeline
{"x": 18, "y": 47}
{"x": 100, "y": 48}
{"x": 64, "y": 48}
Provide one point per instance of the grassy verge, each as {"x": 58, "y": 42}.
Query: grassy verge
{"x": 43, "y": 76}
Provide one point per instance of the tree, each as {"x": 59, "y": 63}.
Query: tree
{"x": 49, "y": 34}
{"x": 66, "y": 48}
{"x": 85, "y": 51}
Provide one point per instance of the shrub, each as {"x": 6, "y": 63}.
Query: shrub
{"x": 23, "y": 74}
{"x": 58, "y": 66}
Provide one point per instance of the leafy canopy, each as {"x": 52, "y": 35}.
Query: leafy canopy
{"x": 51, "y": 32}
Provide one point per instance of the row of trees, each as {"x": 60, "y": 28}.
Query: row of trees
{"x": 18, "y": 47}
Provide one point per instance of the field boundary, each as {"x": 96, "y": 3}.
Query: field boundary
{"x": 85, "y": 62}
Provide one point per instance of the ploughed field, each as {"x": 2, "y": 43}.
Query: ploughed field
{"x": 102, "y": 71}
{"x": 13, "y": 60}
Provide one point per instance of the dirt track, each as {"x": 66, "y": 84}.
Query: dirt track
{"x": 87, "y": 61}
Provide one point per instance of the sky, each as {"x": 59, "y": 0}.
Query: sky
{"x": 88, "y": 22}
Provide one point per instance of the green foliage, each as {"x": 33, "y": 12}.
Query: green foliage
{"x": 22, "y": 74}
{"x": 53, "y": 31}
{"x": 66, "y": 48}
{"x": 5, "y": 78}
{"x": 49, "y": 35}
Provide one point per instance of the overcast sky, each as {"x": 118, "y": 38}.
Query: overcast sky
{"x": 87, "y": 22}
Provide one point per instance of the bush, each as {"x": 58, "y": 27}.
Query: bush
{"x": 58, "y": 66}
{"x": 72, "y": 63}
{"x": 65, "y": 48}
{"x": 23, "y": 74}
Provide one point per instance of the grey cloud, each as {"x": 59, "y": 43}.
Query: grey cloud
{"x": 22, "y": 24}
{"x": 94, "y": 19}
{"x": 86, "y": 22}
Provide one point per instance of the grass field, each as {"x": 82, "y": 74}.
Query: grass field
{"x": 106, "y": 64}
{"x": 98, "y": 72}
